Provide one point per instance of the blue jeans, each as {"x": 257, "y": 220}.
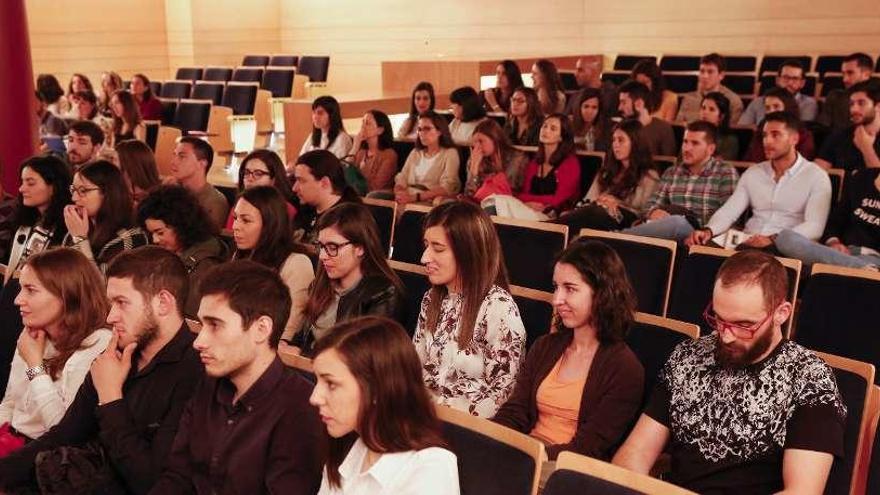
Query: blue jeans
{"x": 674, "y": 227}
{"x": 794, "y": 245}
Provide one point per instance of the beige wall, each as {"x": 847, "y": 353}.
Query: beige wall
{"x": 156, "y": 36}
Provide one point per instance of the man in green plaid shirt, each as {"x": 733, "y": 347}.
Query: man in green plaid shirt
{"x": 691, "y": 191}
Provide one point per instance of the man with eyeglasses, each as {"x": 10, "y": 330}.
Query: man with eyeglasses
{"x": 743, "y": 410}
{"x": 84, "y": 142}
{"x": 791, "y": 78}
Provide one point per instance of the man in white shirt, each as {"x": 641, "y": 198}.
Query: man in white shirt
{"x": 791, "y": 78}
{"x": 785, "y": 192}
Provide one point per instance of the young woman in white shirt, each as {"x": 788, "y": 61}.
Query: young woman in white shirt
{"x": 369, "y": 384}
{"x": 468, "y": 112}
{"x": 328, "y": 133}
{"x": 431, "y": 169}
{"x": 63, "y": 307}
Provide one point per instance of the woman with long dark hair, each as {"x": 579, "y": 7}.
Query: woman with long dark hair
{"x": 370, "y": 386}
{"x": 148, "y": 103}
{"x": 138, "y": 164}
{"x": 590, "y": 121}
{"x": 127, "y": 121}
{"x": 110, "y": 84}
{"x": 715, "y": 109}
{"x": 581, "y": 387}
{"x": 263, "y": 167}
{"x": 508, "y": 78}
{"x": 52, "y": 93}
{"x": 422, "y": 101}
{"x": 328, "y": 133}
{"x": 261, "y": 233}
{"x": 523, "y": 125}
{"x": 77, "y": 84}
{"x": 374, "y": 153}
{"x": 548, "y": 86}
{"x": 494, "y": 166}
{"x": 431, "y": 169}
{"x": 662, "y": 103}
{"x": 469, "y": 335}
{"x": 467, "y": 111}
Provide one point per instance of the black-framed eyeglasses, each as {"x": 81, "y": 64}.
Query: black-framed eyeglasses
{"x": 256, "y": 174}
{"x": 82, "y": 190}
{"x": 331, "y": 248}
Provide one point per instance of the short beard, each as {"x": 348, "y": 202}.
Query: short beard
{"x": 149, "y": 330}
{"x": 728, "y": 359}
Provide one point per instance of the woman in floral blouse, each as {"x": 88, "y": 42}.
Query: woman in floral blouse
{"x": 469, "y": 335}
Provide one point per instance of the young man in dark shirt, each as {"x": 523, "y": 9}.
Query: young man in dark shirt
{"x": 116, "y": 435}
{"x": 658, "y": 134}
{"x": 855, "y": 68}
{"x": 250, "y": 427}
{"x": 857, "y": 146}
{"x": 744, "y": 410}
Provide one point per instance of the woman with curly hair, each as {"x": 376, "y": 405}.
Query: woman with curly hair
{"x": 175, "y": 220}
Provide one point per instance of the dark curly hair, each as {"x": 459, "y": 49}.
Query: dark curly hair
{"x": 179, "y": 210}
{"x": 614, "y": 300}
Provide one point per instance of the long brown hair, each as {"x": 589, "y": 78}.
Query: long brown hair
{"x": 493, "y": 131}
{"x": 68, "y": 275}
{"x": 138, "y": 164}
{"x": 479, "y": 260}
{"x": 131, "y": 113}
{"x": 116, "y": 211}
{"x": 396, "y": 413}
{"x": 618, "y": 181}
{"x": 357, "y": 225}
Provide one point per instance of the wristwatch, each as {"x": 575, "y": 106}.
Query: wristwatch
{"x": 36, "y": 371}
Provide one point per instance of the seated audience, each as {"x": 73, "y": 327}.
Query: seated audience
{"x": 856, "y": 146}
{"x": 7, "y": 222}
{"x": 63, "y": 305}
{"x": 148, "y": 103}
{"x": 430, "y": 172}
{"x": 422, "y": 101}
{"x": 467, "y": 112}
{"x": 249, "y": 427}
{"x": 785, "y": 192}
{"x": 353, "y": 277}
{"x": 852, "y": 236}
{"x": 50, "y": 125}
{"x": 524, "y": 118}
{"x": 110, "y": 83}
{"x": 117, "y": 433}
{"x": 855, "y": 68}
{"x": 508, "y": 78}
{"x": 127, "y": 121}
{"x": 50, "y": 89}
{"x": 261, "y": 233}
{"x": 190, "y": 164}
{"x": 85, "y": 141}
{"x": 78, "y": 83}
{"x": 469, "y": 335}
{"x": 590, "y": 121}
{"x": 779, "y": 100}
{"x": 374, "y": 153}
{"x": 588, "y": 73}
{"x": 328, "y": 133}
{"x": 634, "y": 104}
{"x": 85, "y": 107}
{"x": 623, "y": 185}
{"x": 705, "y": 411}
{"x": 494, "y": 167}
{"x": 174, "y": 220}
{"x": 662, "y": 103}
{"x": 100, "y": 222}
{"x": 263, "y": 167}
{"x": 711, "y": 74}
{"x": 320, "y": 185}
{"x": 690, "y": 191}
{"x": 138, "y": 164}
{"x": 548, "y": 86}
{"x": 791, "y": 78}
{"x": 370, "y": 387}
{"x": 715, "y": 109}
{"x": 581, "y": 387}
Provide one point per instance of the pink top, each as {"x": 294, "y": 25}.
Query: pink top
{"x": 568, "y": 178}
{"x": 494, "y": 184}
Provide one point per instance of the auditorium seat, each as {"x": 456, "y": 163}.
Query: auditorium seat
{"x": 192, "y": 116}
{"x": 740, "y": 63}
{"x": 828, "y": 63}
{"x": 176, "y": 89}
{"x": 283, "y": 60}
{"x": 415, "y": 284}
{"x": 590, "y": 162}
{"x": 217, "y": 74}
{"x": 492, "y": 459}
{"x": 678, "y": 129}
{"x": 240, "y": 97}
{"x": 681, "y": 83}
{"x": 255, "y": 60}
{"x": 830, "y": 82}
{"x": 315, "y": 68}
{"x": 407, "y": 245}
{"x": 169, "y": 108}
{"x": 208, "y": 90}
{"x": 855, "y": 381}
{"x": 248, "y": 74}
{"x": 529, "y": 250}
{"x": 872, "y": 468}
{"x": 680, "y": 63}
{"x": 772, "y": 63}
{"x": 649, "y": 266}
{"x": 739, "y": 83}
{"x": 838, "y": 313}
{"x": 156, "y": 87}
{"x": 384, "y": 212}
{"x": 535, "y": 310}
{"x": 578, "y": 474}
{"x": 695, "y": 278}
{"x": 662, "y": 162}
{"x": 300, "y": 363}
{"x": 189, "y": 73}
{"x": 627, "y": 62}
{"x": 616, "y": 77}
{"x": 744, "y": 136}
{"x": 569, "y": 80}
{"x": 152, "y": 132}
{"x": 403, "y": 148}
{"x": 653, "y": 338}
{"x": 278, "y": 81}
{"x": 837, "y": 177}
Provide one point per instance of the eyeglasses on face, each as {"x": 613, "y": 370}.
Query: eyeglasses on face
{"x": 744, "y": 332}
{"x": 82, "y": 190}
{"x": 331, "y": 248}
{"x": 256, "y": 174}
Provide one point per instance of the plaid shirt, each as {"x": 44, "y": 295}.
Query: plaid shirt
{"x": 701, "y": 194}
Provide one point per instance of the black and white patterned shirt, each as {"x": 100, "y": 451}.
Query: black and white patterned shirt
{"x": 730, "y": 426}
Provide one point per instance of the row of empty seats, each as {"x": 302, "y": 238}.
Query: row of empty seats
{"x": 252, "y": 67}
{"x": 278, "y": 80}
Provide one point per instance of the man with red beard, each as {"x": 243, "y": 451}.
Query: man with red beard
{"x": 116, "y": 435}
{"x": 744, "y": 410}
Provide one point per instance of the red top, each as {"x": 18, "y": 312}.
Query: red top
{"x": 151, "y": 109}
{"x": 568, "y": 178}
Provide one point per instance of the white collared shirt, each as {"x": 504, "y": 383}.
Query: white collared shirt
{"x": 799, "y": 201}
{"x": 431, "y": 471}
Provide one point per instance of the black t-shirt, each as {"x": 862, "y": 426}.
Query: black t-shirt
{"x": 839, "y": 150}
{"x": 729, "y": 427}
{"x": 856, "y": 219}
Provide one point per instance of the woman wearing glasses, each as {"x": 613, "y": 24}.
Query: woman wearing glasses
{"x": 261, "y": 232}
{"x": 264, "y": 168}
{"x": 353, "y": 277}
{"x": 100, "y": 222}
{"x": 431, "y": 169}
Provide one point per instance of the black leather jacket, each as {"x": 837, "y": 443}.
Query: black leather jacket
{"x": 373, "y": 295}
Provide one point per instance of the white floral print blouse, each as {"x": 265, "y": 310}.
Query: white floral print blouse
{"x": 477, "y": 380}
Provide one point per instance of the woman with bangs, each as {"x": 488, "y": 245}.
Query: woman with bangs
{"x": 469, "y": 334}
{"x": 328, "y": 133}
{"x": 467, "y": 111}
{"x": 589, "y": 121}
{"x": 263, "y": 167}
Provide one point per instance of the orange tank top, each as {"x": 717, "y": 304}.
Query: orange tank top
{"x": 559, "y": 404}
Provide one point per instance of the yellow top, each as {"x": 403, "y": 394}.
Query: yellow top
{"x": 559, "y": 405}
